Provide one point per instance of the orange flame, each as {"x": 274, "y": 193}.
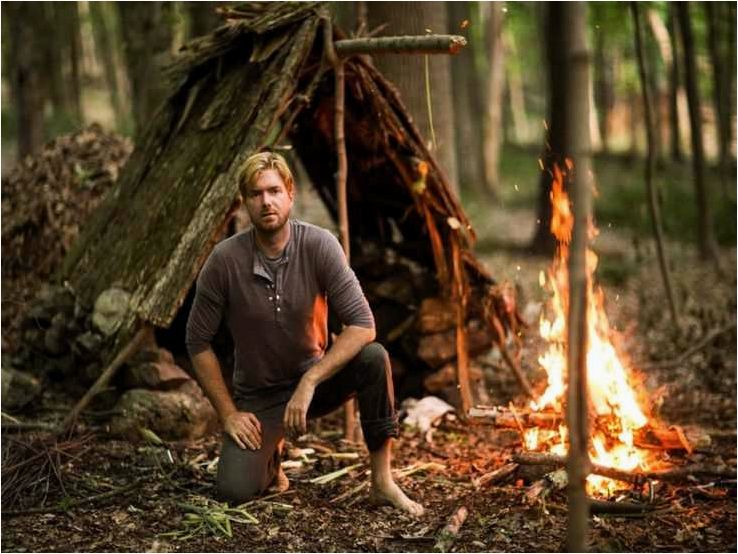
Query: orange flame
{"x": 613, "y": 402}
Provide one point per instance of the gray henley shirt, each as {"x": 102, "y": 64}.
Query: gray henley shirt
{"x": 279, "y": 326}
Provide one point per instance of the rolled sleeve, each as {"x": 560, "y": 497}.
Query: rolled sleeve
{"x": 208, "y": 307}
{"x": 345, "y": 296}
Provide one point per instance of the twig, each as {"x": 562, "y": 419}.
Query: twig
{"x": 328, "y": 477}
{"x": 495, "y": 476}
{"x": 449, "y": 533}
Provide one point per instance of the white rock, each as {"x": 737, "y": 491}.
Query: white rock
{"x": 110, "y": 310}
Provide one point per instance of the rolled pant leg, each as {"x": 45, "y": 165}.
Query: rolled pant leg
{"x": 368, "y": 377}
{"x": 244, "y": 474}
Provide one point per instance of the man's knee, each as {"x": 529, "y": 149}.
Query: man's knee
{"x": 375, "y": 362}
{"x": 236, "y": 491}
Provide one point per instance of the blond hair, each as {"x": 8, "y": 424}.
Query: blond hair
{"x": 262, "y": 161}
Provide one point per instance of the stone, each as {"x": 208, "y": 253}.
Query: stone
{"x": 110, "y": 309}
{"x": 155, "y": 375}
{"x": 18, "y": 389}
{"x": 87, "y": 345}
{"x": 179, "y": 414}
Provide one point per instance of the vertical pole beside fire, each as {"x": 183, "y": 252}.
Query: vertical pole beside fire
{"x": 577, "y": 149}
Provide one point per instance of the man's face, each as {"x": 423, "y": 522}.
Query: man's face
{"x": 268, "y": 202}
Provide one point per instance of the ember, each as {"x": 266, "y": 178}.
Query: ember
{"x": 617, "y": 414}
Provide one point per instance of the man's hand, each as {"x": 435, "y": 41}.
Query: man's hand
{"x": 245, "y": 429}
{"x": 295, "y": 414}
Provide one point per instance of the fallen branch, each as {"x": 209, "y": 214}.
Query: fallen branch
{"x": 133, "y": 345}
{"x": 684, "y": 356}
{"x": 619, "y": 508}
{"x": 448, "y": 534}
{"x": 499, "y": 474}
{"x": 675, "y": 475}
{"x": 328, "y": 477}
{"x": 421, "y": 44}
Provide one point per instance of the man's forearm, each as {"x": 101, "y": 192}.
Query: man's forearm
{"x": 347, "y": 345}
{"x": 210, "y": 376}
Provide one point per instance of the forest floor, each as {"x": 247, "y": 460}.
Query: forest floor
{"x": 111, "y": 495}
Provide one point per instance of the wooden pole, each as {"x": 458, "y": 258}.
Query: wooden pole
{"x": 128, "y": 350}
{"x": 341, "y": 176}
{"x": 653, "y": 205}
{"x": 577, "y": 148}
{"x": 421, "y": 44}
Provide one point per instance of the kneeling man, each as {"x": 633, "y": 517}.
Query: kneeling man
{"x": 272, "y": 283}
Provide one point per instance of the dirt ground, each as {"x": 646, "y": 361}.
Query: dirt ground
{"x": 111, "y": 495}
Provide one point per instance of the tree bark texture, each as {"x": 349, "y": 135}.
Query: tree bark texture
{"x": 495, "y": 90}
{"x": 653, "y": 204}
{"x": 556, "y": 125}
{"x": 705, "y": 236}
{"x": 408, "y": 73}
{"x": 577, "y": 147}
{"x": 468, "y": 106}
{"x": 26, "y": 61}
{"x": 147, "y": 37}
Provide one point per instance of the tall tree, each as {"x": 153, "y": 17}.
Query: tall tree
{"x": 674, "y": 86}
{"x": 495, "y": 90}
{"x": 103, "y": 33}
{"x": 408, "y": 72}
{"x": 576, "y": 78}
{"x": 556, "y": 123}
{"x": 467, "y": 101}
{"x": 26, "y": 61}
{"x": 653, "y": 205}
{"x": 705, "y": 235}
{"x": 604, "y": 85}
{"x": 717, "y": 14}
{"x": 147, "y": 37}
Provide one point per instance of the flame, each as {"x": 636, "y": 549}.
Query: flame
{"x": 614, "y": 406}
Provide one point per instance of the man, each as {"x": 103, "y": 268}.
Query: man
{"x": 272, "y": 284}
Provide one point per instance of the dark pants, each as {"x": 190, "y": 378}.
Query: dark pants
{"x": 243, "y": 474}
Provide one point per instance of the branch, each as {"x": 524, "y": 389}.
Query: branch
{"x": 421, "y": 44}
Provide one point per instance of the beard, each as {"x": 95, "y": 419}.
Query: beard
{"x": 271, "y": 224}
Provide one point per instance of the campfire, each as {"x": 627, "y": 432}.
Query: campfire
{"x": 626, "y": 441}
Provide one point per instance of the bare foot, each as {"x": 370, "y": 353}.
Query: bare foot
{"x": 280, "y": 482}
{"x": 390, "y": 494}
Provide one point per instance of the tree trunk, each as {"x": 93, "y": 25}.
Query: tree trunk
{"x": 26, "y": 61}
{"x": 52, "y": 42}
{"x": 516, "y": 90}
{"x": 705, "y": 237}
{"x": 650, "y": 163}
{"x": 408, "y": 73}
{"x": 556, "y": 131}
{"x": 147, "y": 37}
{"x": 674, "y": 88}
{"x": 495, "y": 89}
{"x": 202, "y": 18}
{"x": 577, "y": 147}
{"x": 73, "y": 53}
{"x": 664, "y": 43}
{"x": 604, "y": 88}
{"x": 102, "y": 32}
{"x": 717, "y": 39}
{"x": 650, "y": 51}
{"x": 467, "y": 104}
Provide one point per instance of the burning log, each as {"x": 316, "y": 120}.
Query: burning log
{"x": 675, "y": 475}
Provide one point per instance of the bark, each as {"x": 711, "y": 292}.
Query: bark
{"x": 653, "y": 205}
{"x": 577, "y": 147}
{"x": 102, "y": 32}
{"x": 495, "y": 90}
{"x": 705, "y": 236}
{"x": 147, "y": 37}
{"x": 26, "y": 61}
{"x": 467, "y": 105}
{"x": 556, "y": 123}
{"x": 408, "y": 73}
